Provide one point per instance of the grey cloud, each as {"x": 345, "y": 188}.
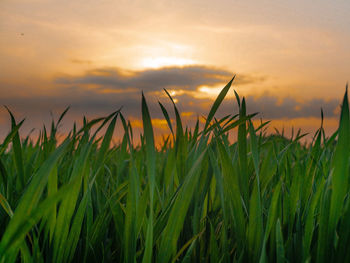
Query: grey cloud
{"x": 91, "y": 102}
{"x": 84, "y": 101}
{"x": 189, "y": 77}
{"x": 268, "y": 107}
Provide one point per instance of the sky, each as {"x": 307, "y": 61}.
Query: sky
{"x": 290, "y": 59}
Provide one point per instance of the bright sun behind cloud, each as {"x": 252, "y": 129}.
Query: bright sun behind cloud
{"x": 209, "y": 91}
{"x": 159, "y": 62}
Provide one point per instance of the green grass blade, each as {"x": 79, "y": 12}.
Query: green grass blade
{"x": 130, "y": 229}
{"x": 51, "y": 190}
{"x": 10, "y": 137}
{"x": 255, "y": 227}
{"x": 166, "y": 116}
{"x": 279, "y": 243}
{"x": 172, "y": 230}
{"x": 242, "y": 156}
{"x": 69, "y": 203}
{"x": 217, "y": 103}
{"x": 340, "y": 166}
{"x": 106, "y": 141}
{"x": 17, "y": 149}
{"x": 29, "y": 200}
{"x": 5, "y": 205}
{"x": 151, "y": 172}
{"x": 179, "y": 128}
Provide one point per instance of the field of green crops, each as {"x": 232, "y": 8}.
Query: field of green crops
{"x": 196, "y": 198}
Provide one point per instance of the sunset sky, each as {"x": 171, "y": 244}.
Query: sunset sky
{"x": 290, "y": 57}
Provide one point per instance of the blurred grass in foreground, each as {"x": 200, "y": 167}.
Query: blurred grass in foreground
{"x": 197, "y": 198}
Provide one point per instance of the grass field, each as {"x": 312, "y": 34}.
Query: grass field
{"x": 197, "y": 198}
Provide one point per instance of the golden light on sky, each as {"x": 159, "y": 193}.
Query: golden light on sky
{"x": 159, "y": 62}
{"x": 290, "y": 57}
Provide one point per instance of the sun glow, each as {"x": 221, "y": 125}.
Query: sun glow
{"x": 209, "y": 92}
{"x": 159, "y": 62}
